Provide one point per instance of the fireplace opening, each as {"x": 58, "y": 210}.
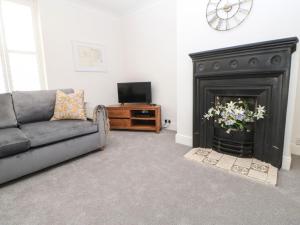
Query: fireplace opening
{"x": 238, "y": 142}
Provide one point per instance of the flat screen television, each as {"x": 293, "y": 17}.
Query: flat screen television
{"x": 138, "y": 92}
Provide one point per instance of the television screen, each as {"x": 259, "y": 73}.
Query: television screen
{"x": 134, "y": 92}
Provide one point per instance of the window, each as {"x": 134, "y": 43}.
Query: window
{"x": 21, "y": 67}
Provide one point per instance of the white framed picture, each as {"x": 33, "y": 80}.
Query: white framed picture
{"x": 89, "y": 57}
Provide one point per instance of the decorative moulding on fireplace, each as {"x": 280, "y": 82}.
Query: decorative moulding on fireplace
{"x": 260, "y": 71}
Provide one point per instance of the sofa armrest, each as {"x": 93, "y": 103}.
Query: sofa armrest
{"x": 98, "y": 114}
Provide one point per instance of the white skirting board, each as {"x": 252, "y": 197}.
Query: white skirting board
{"x": 184, "y": 140}
{"x": 286, "y": 160}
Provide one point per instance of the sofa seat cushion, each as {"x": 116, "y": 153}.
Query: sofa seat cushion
{"x": 49, "y": 132}
{"x": 12, "y": 142}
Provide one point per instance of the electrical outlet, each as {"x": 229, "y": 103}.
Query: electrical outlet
{"x": 297, "y": 141}
{"x": 167, "y": 121}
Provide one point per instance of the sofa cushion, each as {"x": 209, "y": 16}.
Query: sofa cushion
{"x": 7, "y": 113}
{"x": 35, "y": 106}
{"x": 12, "y": 142}
{"x": 48, "y": 132}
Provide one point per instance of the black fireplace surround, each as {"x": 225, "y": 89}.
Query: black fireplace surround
{"x": 260, "y": 70}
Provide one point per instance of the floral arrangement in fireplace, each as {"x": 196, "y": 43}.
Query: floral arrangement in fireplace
{"x": 235, "y": 115}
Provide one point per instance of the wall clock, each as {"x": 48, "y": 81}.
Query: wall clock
{"x": 224, "y": 15}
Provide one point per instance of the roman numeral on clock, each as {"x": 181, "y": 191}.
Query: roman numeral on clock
{"x": 220, "y": 23}
{"x": 212, "y": 20}
{"x": 245, "y": 1}
{"x": 244, "y": 11}
{"x": 212, "y": 12}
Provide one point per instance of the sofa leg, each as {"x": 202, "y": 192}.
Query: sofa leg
{"x": 101, "y": 149}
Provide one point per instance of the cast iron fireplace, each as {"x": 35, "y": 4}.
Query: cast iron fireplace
{"x": 260, "y": 71}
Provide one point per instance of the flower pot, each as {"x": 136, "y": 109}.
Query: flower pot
{"x": 238, "y": 143}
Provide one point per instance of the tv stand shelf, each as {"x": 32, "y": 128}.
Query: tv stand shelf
{"x": 143, "y": 118}
{"x": 139, "y": 117}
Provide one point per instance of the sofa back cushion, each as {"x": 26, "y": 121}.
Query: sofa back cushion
{"x": 7, "y": 113}
{"x": 35, "y": 106}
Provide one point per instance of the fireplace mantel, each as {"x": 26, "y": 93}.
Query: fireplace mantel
{"x": 260, "y": 70}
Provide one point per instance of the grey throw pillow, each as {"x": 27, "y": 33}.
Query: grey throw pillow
{"x": 7, "y": 113}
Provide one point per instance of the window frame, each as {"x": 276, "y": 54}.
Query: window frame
{"x": 4, "y": 51}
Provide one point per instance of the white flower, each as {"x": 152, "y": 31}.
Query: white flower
{"x": 206, "y": 116}
{"x": 260, "y": 112}
{"x": 228, "y": 131}
{"x": 231, "y": 105}
{"x": 223, "y": 114}
{"x": 210, "y": 111}
{"x": 230, "y": 122}
{"x": 239, "y": 114}
{"x": 261, "y": 109}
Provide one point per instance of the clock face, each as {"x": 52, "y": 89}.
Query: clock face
{"x": 227, "y": 14}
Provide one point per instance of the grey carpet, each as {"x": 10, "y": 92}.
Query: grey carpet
{"x": 143, "y": 179}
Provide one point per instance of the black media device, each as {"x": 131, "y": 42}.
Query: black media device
{"x": 139, "y": 92}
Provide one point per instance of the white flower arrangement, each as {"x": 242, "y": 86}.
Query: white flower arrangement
{"x": 235, "y": 116}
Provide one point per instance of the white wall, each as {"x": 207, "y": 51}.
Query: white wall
{"x": 269, "y": 19}
{"x": 296, "y": 130}
{"x": 150, "y": 43}
{"x": 64, "y": 21}
{"x": 150, "y": 52}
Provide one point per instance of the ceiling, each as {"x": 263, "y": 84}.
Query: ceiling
{"x": 120, "y": 6}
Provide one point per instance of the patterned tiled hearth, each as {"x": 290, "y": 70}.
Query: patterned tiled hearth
{"x": 246, "y": 167}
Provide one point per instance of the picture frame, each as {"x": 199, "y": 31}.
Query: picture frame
{"x": 89, "y": 57}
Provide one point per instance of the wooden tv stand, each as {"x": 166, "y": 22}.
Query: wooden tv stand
{"x": 141, "y": 117}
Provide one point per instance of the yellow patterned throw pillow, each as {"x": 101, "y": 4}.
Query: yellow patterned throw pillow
{"x": 69, "y": 106}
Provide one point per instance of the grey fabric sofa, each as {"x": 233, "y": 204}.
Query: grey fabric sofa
{"x": 29, "y": 141}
